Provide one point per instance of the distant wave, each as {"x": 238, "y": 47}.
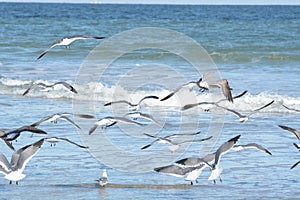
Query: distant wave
{"x": 103, "y": 93}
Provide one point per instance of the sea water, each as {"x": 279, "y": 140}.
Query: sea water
{"x": 255, "y": 47}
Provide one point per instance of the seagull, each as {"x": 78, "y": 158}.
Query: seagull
{"x": 188, "y": 106}
{"x": 66, "y": 41}
{"x": 103, "y": 181}
{"x": 293, "y": 109}
{"x": 206, "y": 83}
{"x": 244, "y": 118}
{"x": 223, "y": 149}
{"x": 174, "y": 145}
{"x": 51, "y": 86}
{"x": 198, "y": 163}
{"x": 9, "y": 135}
{"x": 136, "y": 115}
{"x": 251, "y": 145}
{"x": 54, "y": 140}
{"x": 13, "y": 171}
{"x": 53, "y": 118}
{"x": 133, "y": 107}
{"x": 110, "y": 121}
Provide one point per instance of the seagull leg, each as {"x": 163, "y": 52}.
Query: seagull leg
{"x": 191, "y": 182}
{"x": 10, "y": 182}
{"x": 220, "y": 179}
{"x": 214, "y": 182}
{"x": 17, "y": 182}
{"x": 196, "y": 180}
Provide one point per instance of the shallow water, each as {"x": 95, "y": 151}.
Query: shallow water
{"x": 255, "y": 48}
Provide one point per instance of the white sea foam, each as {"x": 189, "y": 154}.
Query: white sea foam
{"x": 99, "y": 92}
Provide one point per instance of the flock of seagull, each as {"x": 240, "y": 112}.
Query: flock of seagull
{"x": 191, "y": 167}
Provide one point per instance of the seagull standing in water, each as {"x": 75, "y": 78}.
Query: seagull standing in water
{"x": 223, "y": 149}
{"x": 13, "y": 171}
{"x": 244, "y": 118}
{"x": 67, "y": 41}
{"x": 49, "y": 87}
{"x": 103, "y": 181}
{"x": 133, "y": 107}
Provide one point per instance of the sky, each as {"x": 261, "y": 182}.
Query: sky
{"x": 212, "y": 2}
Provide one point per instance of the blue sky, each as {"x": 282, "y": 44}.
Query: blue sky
{"x": 231, "y": 2}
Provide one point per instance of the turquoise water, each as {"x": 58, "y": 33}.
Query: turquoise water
{"x": 255, "y": 47}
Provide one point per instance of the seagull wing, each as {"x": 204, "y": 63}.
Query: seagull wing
{"x": 296, "y": 133}
{"x": 27, "y": 153}
{"x": 147, "y": 116}
{"x": 121, "y": 101}
{"x": 224, "y": 85}
{"x": 293, "y": 109}
{"x": 31, "y": 129}
{"x": 258, "y": 109}
{"x": 176, "y": 90}
{"x": 67, "y": 85}
{"x": 233, "y": 111}
{"x": 4, "y": 164}
{"x": 224, "y": 148}
{"x": 123, "y": 119}
{"x": 294, "y": 165}
{"x": 181, "y": 134}
{"x": 87, "y": 116}
{"x": 9, "y": 145}
{"x": 41, "y": 121}
{"x": 253, "y": 145}
{"x": 49, "y": 48}
{"x": 148, "y": 97}
{"x": 71, "y": 121}
{"x": 67, "y": 140}
{"x": 197, "y": 140}
{"x": 174, "y": 170}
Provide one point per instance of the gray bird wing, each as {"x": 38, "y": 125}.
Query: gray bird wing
{"x": 224, "y": 148}
{"x": 66, "y": 85}
{"x": 258, "y": 109}
{"x": 293, "y": 109}
{"x": 71, "y": 121}
{"x": 121, "y": 101}
{"x": 294, "y": 131}
{"x": 176, "y": 90}
{"x": 5, "y": 166}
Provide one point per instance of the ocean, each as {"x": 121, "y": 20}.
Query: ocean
{"x": 151, "y": 50}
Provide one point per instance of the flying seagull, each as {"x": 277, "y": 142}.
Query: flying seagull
{"x": 110, "y": 121}
{"x": 223, "y": 149}
{"x": 133, "y": 106}
{"x": 251, "y": 145}
{"x": 51, "y": 86}
{"x": 244, "y": 118}
{"x": 103, "y": 181}
{"x": 54, "y": 140}
{"x": 66, "y": 41}
{"x": 188, "y": 106}
{"x": 136, "y": 115}
{"x": 174, "y": 145}
{"x": 206, "y": 83}
{"x": 13, "y": 171}
{"x": 64, "y": 116}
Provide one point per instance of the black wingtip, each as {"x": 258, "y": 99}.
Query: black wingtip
{"x": 145, "y": 147}
{"x": 167, "y": 97}
{"x": 107, "y": 104}
{"x": 235, "y": 139}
